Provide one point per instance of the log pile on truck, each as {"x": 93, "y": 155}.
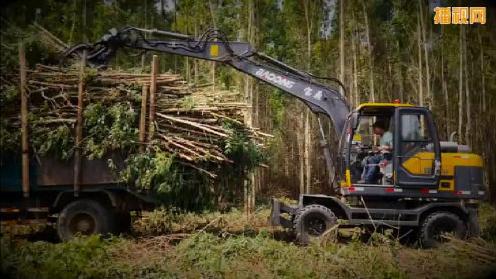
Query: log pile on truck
{"x": 161, "y": 126}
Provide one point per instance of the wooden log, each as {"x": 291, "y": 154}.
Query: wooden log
{"x": 24, "y": 121}
{"x": 142, "y": 125}
{"x": 212, "y": 175}
{"x": 181, "y": 146}
{"x": 153, "y": 88}
{"x": 59, "y": 43}
{"x": 79, "y": 128}
{"x": 205, "y": 128}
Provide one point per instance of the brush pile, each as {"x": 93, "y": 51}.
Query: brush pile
{"x": 193, "y": 127}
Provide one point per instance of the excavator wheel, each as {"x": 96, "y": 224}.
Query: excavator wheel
{"x": 312, "y": 221}
{"x": 438, "y": 223}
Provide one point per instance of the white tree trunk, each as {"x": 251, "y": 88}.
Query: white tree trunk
{"x": 369, "y": 49}
{"x": 307, "y": 155}
{"x": 444, "y": 90}
{"x": 308, "y": 151}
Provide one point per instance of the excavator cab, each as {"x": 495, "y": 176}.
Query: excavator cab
{"x": 389, "y": 145}
{"x": 393, "y": 171}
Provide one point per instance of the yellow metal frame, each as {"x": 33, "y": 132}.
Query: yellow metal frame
{"x": 393, "y": 105}
{"x": 214, "y": 50}
{"x": 416, "y": 165}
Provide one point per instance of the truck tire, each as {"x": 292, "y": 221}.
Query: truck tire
{"x": 438, "y": 223}
{"x": 84, "y": 217}
{"x": 312, "y": 221}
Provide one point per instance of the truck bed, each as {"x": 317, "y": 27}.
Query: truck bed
{"x": 49, "y": 172}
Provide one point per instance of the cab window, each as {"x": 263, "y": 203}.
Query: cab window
{"x": 416, "y": 144}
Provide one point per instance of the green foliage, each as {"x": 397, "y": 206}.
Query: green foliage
{"x": 187, "y": 103}
{"x": 151, "y": 171}
{"x": 277, "y": 105}
{"x": 487, "y": 220}
{"x": 10, "y": 138}
{"x": 80, "y": 258}
{"x": 172, "y": 183}
{"x": 58, "y": 141}
{"x": 9, "y": 101}
{"x": 167, "y": 220}
{"x": 10, "y": 95}
{"x": 174, "y": 244}
{"x": 109, "y": 128}
{"x": 245, "y": 155}
{"x": 217, "y": 257}
{"x": 239, "y": 148}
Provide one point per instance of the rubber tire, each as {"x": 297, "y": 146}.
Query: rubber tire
{"x": 428, "y": 236}
{"x": 314, "y": 210}
{"x": 101, "y": 216}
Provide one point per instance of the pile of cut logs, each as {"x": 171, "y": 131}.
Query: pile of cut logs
{"x": 186, "y": 121}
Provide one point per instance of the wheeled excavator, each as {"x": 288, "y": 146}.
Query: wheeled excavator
{"x": 421, "y": 185}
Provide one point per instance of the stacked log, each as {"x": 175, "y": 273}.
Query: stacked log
{"x": 189, "y": 121}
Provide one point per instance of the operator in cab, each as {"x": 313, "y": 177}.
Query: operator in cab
{"x": 382, "y": 154}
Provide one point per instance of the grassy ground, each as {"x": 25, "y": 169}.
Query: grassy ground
{"x": 165, "y": 244}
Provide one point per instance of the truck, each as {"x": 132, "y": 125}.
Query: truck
{"x": 422, "y": 184}
{"x": 102, "y": 205}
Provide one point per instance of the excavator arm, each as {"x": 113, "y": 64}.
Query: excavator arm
{"x": 214, "y": 46}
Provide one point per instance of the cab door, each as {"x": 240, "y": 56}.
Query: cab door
{"x": 416, "y": 148}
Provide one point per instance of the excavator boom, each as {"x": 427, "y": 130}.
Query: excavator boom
{"x": 213, "y": 45}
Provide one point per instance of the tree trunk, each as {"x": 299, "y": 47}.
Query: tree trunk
{"x": 24, "y": 119}
{"x": 400, "y": 73}
{"x": 460, "y": 87}
{"x": 301, "y": 145}
{"x": 420, "y": 76}
{"x": 308, "y": 151}
{"x": 426, "y": 56}
{"x": 444, "y": 89}
{"x": 369, "y": 50}
{"x": 355, "y": 72}
{"x": 307, "y": 155}
{"x": 341, "y": 45}
{"x": 84, "y": 15}
{"x": 79, "y": 126}
{"x": 214, "y": 22}
{"x": 468, "y": 125}
{"x": 483, "y": 81}
{"x": 153, "y": 89}
{"x": 71, "y": 33}
{"x": 251, "y": 115}
{"x": 195, "y": 61}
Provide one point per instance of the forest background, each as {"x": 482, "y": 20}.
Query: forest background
{"x": 381, "y": 50}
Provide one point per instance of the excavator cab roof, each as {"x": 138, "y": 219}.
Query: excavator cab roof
{"x": 373, "y": 106}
